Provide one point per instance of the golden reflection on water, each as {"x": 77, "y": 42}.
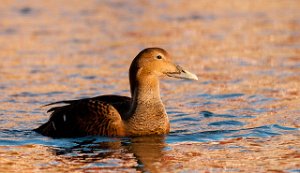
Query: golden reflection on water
{"x": 88, "y": 156}
{"x": 246, "y": 54}
{"x": 117, "y": 155}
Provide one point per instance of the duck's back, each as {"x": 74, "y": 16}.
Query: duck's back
{"x": 102, "y": 115}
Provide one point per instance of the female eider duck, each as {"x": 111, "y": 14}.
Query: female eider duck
{"x": 112, "y": 115}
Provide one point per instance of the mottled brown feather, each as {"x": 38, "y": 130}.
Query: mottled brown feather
{"x": 92, "y": 116}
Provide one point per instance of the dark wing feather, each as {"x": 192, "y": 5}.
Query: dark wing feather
{"x": 121, "y": 103}
{"x": 93, "y": 116}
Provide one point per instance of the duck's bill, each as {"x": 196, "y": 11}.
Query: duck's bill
{"x": 182, "y": 74}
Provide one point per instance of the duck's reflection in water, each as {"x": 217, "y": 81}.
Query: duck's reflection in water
{"x": 148, "y": 151}
{"x": 138, "y": 153}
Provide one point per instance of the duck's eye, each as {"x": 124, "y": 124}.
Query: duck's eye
{"x": 158, "y": 57}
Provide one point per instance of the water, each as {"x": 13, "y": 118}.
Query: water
{"x": 242, "y": 115}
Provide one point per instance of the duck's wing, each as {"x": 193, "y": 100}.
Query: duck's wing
{"x": 93, "y": 116}
{"x": 121, "y": 103}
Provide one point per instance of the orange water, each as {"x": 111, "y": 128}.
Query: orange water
{"x": 243, "y": 115}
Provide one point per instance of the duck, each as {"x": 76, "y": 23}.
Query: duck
{"x": 142, "y": 114}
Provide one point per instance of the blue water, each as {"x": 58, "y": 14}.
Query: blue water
{"x": 231, "y": 127}
{"x": 185, "y": 127}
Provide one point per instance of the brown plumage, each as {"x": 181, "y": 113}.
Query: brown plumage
{"x": 112, "y": 115}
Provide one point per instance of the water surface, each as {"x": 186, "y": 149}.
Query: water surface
{"x": 242, "y": 115}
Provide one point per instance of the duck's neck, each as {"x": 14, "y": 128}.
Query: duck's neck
{"x": 145, "y": 94}
{"x": 147, "y": 113}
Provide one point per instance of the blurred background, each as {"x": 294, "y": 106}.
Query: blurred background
{"x": 242, "y": 115}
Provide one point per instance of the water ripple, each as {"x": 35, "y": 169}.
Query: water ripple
{"x": 220, "y": 96}
{"x": 216, "y": 135}
{"x": 226, "y": 123}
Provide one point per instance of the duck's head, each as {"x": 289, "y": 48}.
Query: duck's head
{"x": 156, "y": 62}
